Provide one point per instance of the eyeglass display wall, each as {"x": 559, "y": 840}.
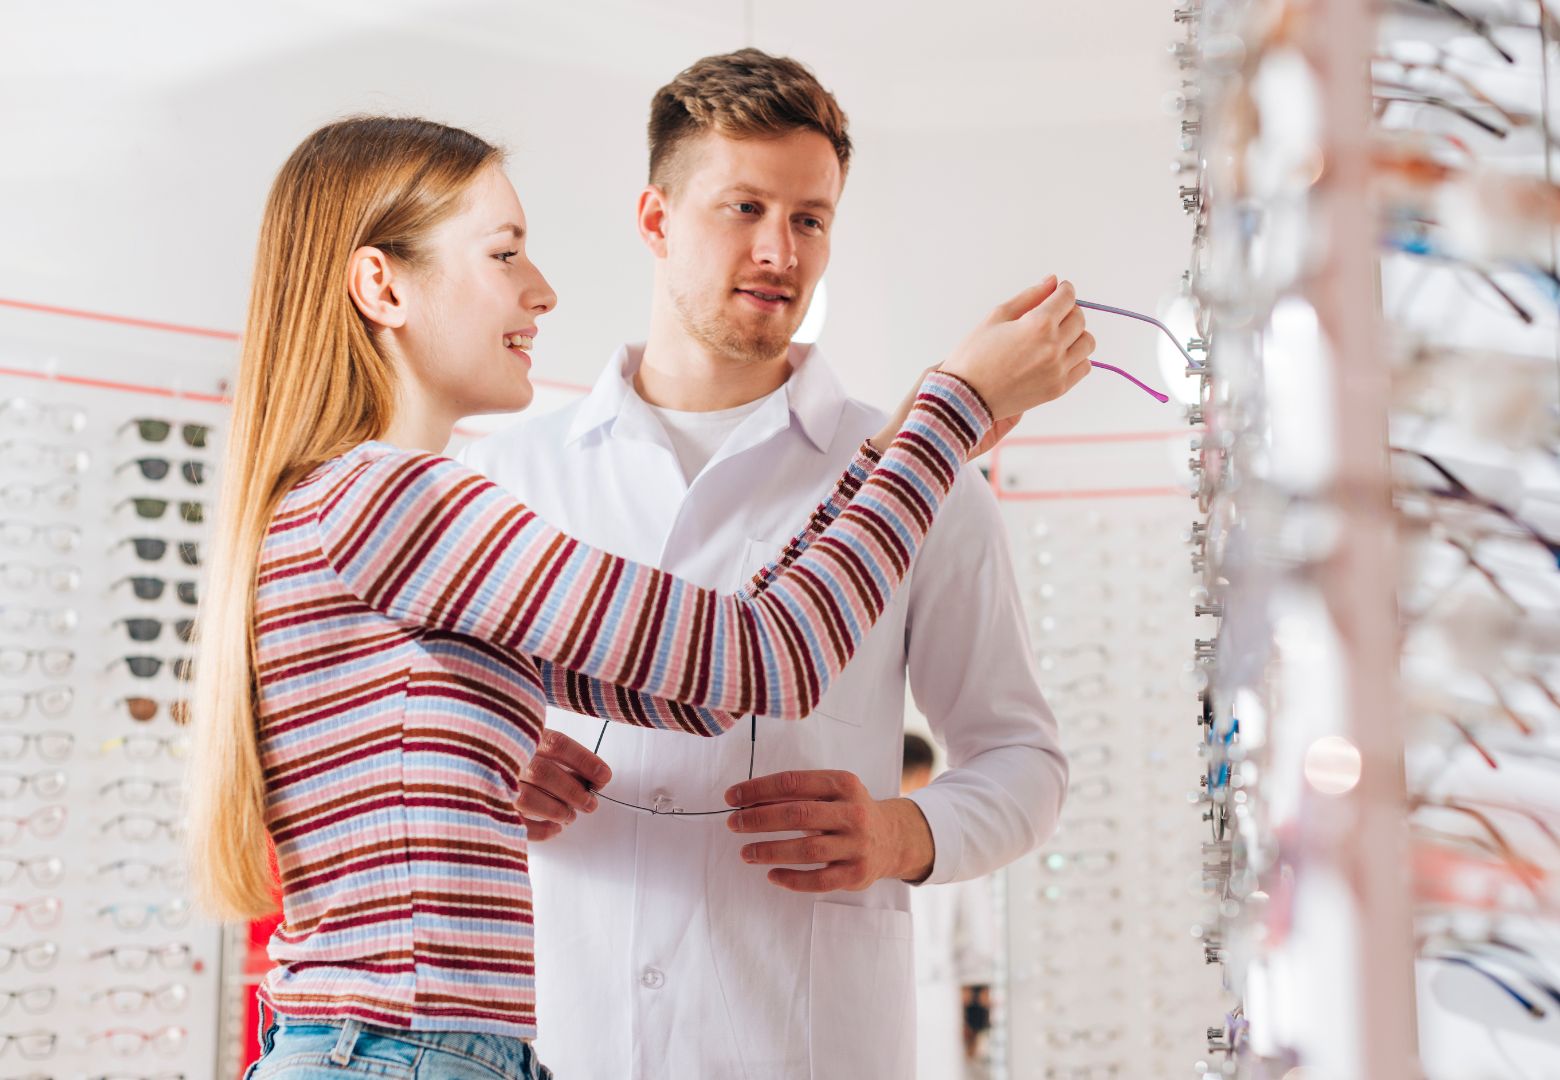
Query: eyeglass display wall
{"x": 1374, "y": 283}
{"x": 106, "y": 488}
{"x": 1107, "y": 929}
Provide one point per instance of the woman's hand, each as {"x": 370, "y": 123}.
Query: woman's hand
{"x": 1030, "y": 350}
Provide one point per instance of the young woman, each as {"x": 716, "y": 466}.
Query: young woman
{"x": 383, "y": 629}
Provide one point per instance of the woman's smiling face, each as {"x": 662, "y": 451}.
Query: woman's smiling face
{"x": 472, "y": 310}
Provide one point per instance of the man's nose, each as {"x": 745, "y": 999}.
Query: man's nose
{"x": 776, "y": 248}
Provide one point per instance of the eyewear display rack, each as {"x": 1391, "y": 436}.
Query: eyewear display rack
{"x": 1373, "y": 277}
{"x": 1102, "y": 971}
{"x": 107, "y": 482}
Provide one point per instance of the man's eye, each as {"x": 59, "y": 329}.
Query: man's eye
{"x": 812, "y": 223}
{"x": 747, "y": 208}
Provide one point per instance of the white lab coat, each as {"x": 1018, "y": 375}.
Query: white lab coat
{"x": 955, "y": 942}
{"x": 660, "y": 953}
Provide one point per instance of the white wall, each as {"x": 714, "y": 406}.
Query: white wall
{"x": 997, "y": 141}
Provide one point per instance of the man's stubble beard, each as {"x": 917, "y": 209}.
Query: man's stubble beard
{"x": 718, "y": 335}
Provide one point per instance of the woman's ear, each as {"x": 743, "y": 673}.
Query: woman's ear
{"x": 376, "y": 288}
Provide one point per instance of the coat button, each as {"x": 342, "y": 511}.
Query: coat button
{"x": 652, "y": 979}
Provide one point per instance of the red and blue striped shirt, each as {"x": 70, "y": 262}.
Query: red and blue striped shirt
{"x": 412, "y": 623}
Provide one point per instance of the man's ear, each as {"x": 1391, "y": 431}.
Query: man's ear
{"x": 376, "y": 288}
{"x": 653, "y": 205}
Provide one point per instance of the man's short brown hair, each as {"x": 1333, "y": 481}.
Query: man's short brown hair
{"x": 742, "y": 95}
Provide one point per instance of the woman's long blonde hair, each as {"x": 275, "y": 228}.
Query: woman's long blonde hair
{"x": 313, "y": 383}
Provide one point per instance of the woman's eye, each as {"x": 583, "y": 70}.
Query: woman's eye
{"x": 505, "y": 256}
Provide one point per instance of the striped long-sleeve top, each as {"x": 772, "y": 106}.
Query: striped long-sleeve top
{"x": 412, "y": 623}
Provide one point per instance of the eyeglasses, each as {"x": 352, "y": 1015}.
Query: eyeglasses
{"x": 20, "y": 454}
{"x": 55, "y": 701}
{"x": 140, "y": 957}
{"x": 35, "y": 957}
{"x": 20, "y": 620}
{"x": 22, "y": 412}
{"x": 140, "y": 872}
{"x": 52, "y": 746}
{"x": 126, "y": 1000}
{"x": 45, "y": 785}
{"x": 52, "y": 662}
{"x": 1474, "y": 23}
{"x": 153, "y": 548}
{"x": 151, "y": 588}
{"x": 155, "y": 431}
{"x": 26, "y": 575}
{"x": 147, "y": 667}
{"x": 139, "y": 791}
{"x": 134, "y": 917}
{"x": 127, "y": 1043}
{"x": 44, "y": 870}
{"x": 152, "y": 509}
{"x": 33, "y": 999}
{"x": 40, "y": 914}
{"x": 146, "y": 747}
{"x": 32, "y": 1045}
{"x": 1461, "y": 492}
{"x": 139, "y": 828}
{"x": 143, "y": 629}
{"x": 1079, "y": 894}
{"x": 153, "y": 468}
{"x": 20, "y": 534}
{"x": 1085, "y": 687}
{"x": 1109, "y": 1071}
{"x": 1528, "y": 1005}
{"x": 1101, "y": 861}
{"x": 58, "y": 495}
{"x": 1150, "y": 320}
{"x": 44, "y": 822}
{"x": 663, "y": 806}
{"x": 144, "y": 708}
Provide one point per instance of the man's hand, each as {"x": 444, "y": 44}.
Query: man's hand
{"x": 858, "y": 840}
{"x": 555, "y": 785}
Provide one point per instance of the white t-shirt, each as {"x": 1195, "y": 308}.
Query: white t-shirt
{"x": 698, "y": 436}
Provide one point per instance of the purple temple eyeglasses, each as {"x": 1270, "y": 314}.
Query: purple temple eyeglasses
{"x": 1140, "y": 317}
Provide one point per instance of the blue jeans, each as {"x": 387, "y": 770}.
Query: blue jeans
{"x": 293, "y": 1049}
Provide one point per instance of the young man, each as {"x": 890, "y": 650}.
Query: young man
{"x": 681, "y": 940}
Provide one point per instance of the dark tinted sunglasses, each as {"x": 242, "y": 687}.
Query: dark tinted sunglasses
{"x": 154, "y": 468}
{"x": 156, "y": 431}
{"x": 153, "y": 509}
{"x": 153, "y": 548}
{"x": 151, "y": 588}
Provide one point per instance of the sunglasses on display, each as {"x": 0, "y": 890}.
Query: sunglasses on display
{"x": 154, "y": 468}
{"x": 151, "y": 588}
{"x": 144, "y": 629}
{"x": 152, "y": 509}
{"x": 156, "y": 431}
{"x": 153, "y": 548}
{"x": 148, "y": 667}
